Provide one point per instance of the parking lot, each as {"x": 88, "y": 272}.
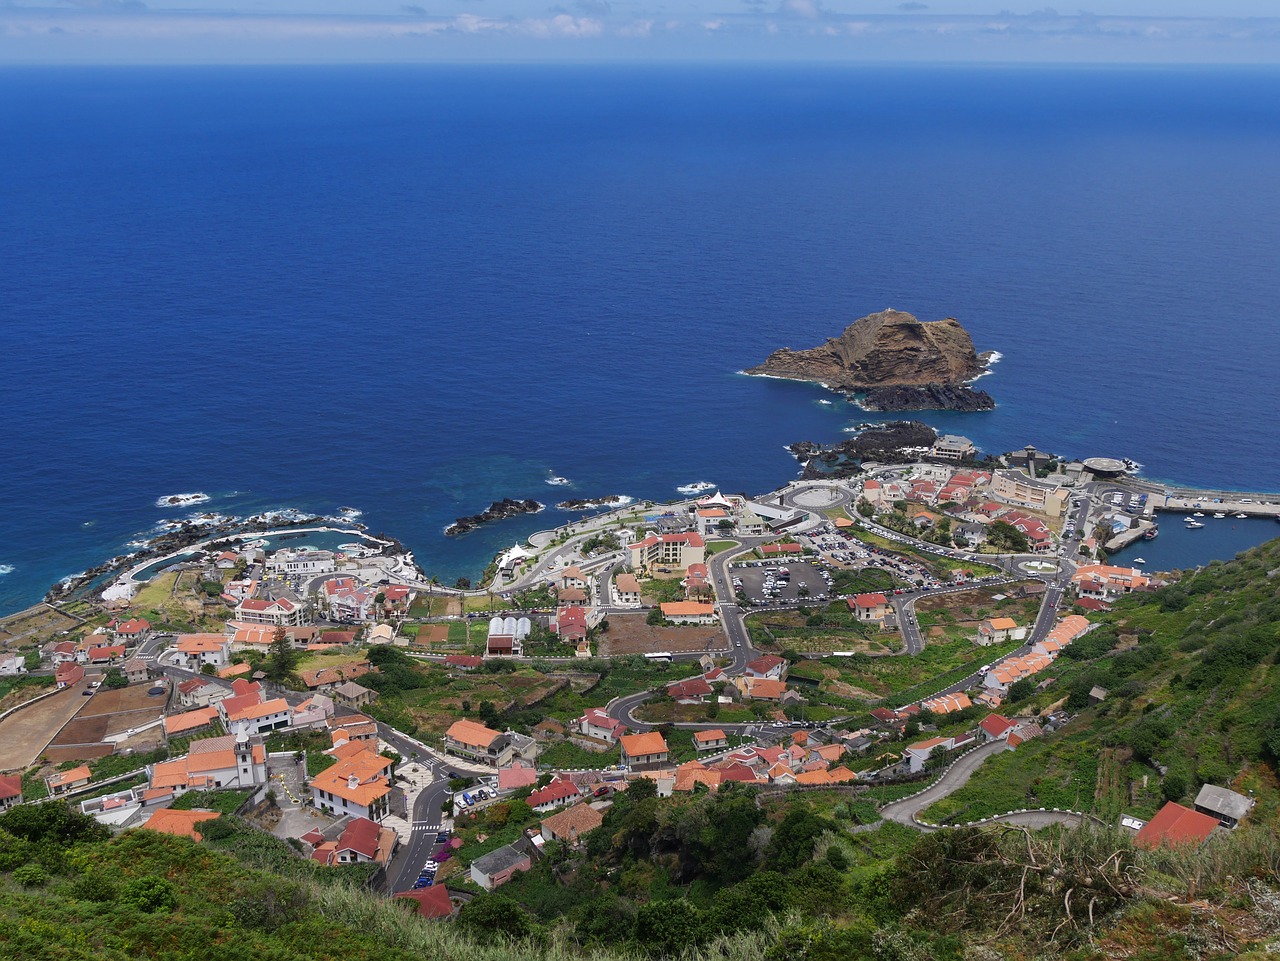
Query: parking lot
{"x": 773, "y": 582}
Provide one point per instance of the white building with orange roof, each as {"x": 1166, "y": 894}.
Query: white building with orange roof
{"x": 710, "y": 740}
{"x": 483, "y": 744}
{"x": 669, "y": 551}
{"x": 646, "y": 750}
{"x": 1008, "y": 672}
{"x": 280, "y": 611}
{"x": 689, "y": 612}
{"x": 993, "y": 630}
{"x": 710, "y": 520}
{"x": 946, "y": 703}
{"x": 211, "y": 764}
{"x": 190, "y": 722}
{"x": 358, "y": 785}
{"x": 626, "y": 590}
{"x": 65, "y": 781}
{"x": 1105, "y": 582}
{"x": 919, "y": 753}
{"x": 260, "y": 718}
{"x": 197, "y": 650}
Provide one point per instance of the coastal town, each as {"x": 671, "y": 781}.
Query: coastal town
{"x": 888, "y": 631}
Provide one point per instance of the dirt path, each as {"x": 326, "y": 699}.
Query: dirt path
{"x": 24, "y": 734}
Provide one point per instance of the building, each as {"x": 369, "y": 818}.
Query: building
{"x": 301, "y": 563}
{"x": 713, "y": 520}
{"x": 710, "y": 740}
{"x": 1008, "y": 672}
{"x": 572, "y": 824}
{"x": 13, "y": 665}
{"x": 255, "y": 719}
{"x": 280, "y": 612}
{"x": 212, "y": 763}
{"x": 953, "y": 447}
{"x": 190, "y": 722}
{"x": 135, "y": 670}
{"x": 487, "y": 746}
{"x": 106, "y": 654}
{"x": 996, "y": 629}
{"x": 554, "y": 795}
{"x": 463, "y": 662}
{"x": 1175, "y": 826}
{"x": 67, "y": 674}
{"x": 597, "y": 724}
{"x": 197, "y": 650}
{"x": 947, "y": 703}
{"x": 498, "y": 867}
{"x": 764, "y": 689}
{"x": 199, "y": 692}
{"x": 691, "y": 691}
{"x": 1015, "y": 487}
{"x": 352, "y": 694}
{"x": 996, "y": 727}
{"x": 182, "y": 824}
{"x": 1228, "y": 807}
{"x": 433, "y": 901}
{"x": 65, "y": 781}
{"x": 641, "y": 751}
{"x": 348, "y": 600}
{"x": 507, "y": 636}
{"x": 920, "y": 752}
{"x": 689, "y": 612}
{"x": 1106, "y": 582}
{"x": 132, "y": 631}
{"x": 869, "y": 607}
{"x": 572, "y": 578}
{"x": 768, "y": 665}
{"x": 362, "y": 842}
{"x": 359, "y": 785}
{"x": 780, "y": 550}
{"x": 667, "y": 552}
{"x": 10, "y": 791}
{"x": 626, "y": 590}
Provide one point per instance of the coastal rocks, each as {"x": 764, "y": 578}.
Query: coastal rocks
{"x": 890, "y": 349}
{"x": 959, "y": 397}
{"x": 583, "y": 504}
{"x": 498, "y": 510}
{"x": 897, "y": 442}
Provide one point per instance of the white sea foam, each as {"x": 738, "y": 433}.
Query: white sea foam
{"x": 617, "y": 500}
{"x": 825, "y": 402}
{"x": 6, "y": 569}
{"x": 183, "y": 500}
{"x": 697, "y": 487}
{"x": 351, "y": 513}
{"x": 558, "y": 481}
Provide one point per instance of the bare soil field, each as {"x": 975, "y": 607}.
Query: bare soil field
{"x": 86, "y": 752}
{"x": 34, "y": 623}
{"x": 629, "y": 634}
{"x": 24, "y": 733}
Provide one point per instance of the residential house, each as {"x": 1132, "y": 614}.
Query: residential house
{"x": 641, "y": 751}
{"x": 106, "y": 654}
{"x": 571, "y": 597}
{"x": 1175, "y": 826}
{"x": 554, "y": 795}
{"x": 572, "y": 824}
{"x": 571, "y": 624}
{"x": 65, "y": 781}
{"x": 697, "y": 582}
{"x": 507, "y": 635}
{"x": 1106, "y": 582}
{"x": 498, "y": 867}
{"x": 62, "y": 652}
{"x": 919, "y": 753}
{"x": 572, "y": 578}
{"x": 353, "y": 695}
{"x": 199, "y": 692}
{"x": 131, "y": 631}
{"x": 626, "y": 590}
{"x": 667, "y": 551}
{"x": 190, "y": 722}
{"x": 68, "y": 674}
{"x": 213, "y": 763}
{"x": 226, "y": 560}
{"x": 710, "y": 519}
{"x": 761, "y": 688}
{"x": 381, "y": 634}
{"x": 362, "y": 842}
{"x": 433, "y": 901}
{"x": 691, "y": 691}
{"x": 710, "y": 740}
{"x": 1008, "y": 672}
{"x": 597, "y": 724}
{"x": 256, "y": 719}
{"x": 495, "y": 748}
{"x": 348, "y": 600}
{"x": 13, "y": 665}
{"x": 197, "y": 650}
{"x": 10, "y": 791}
{"x": 135, "y": 670}
{"x": 689, "y": 612}
{"x": 1227, "y": 806}
{"x": 768, "y": 665}
{"x": 947, "y": 703}
{"x": 463, "y": 663}
{"x": 993, "y": 630}
{"x": 313, "y": 712}
{"x": 869, "y": 607}
{"x": 358, "y": 785}
{"x": 280, "y": 612}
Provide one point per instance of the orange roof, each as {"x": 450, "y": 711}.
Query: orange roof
{"x": 947, "y": 703}
{"x": 843, "y": 522}
{"x": 573, "y": 822}
{"x": 366, "y": 768}
{"x": 765, "y": 688}
{"x": 201, "y": 643}
{"x": 637, "y": 745}
{"x": 830, "y": 752}
{"x": 927, "y": 744}
{"x": 1003, "y": 624}
{"x": 704, "y": 736}
{"x": 235, "y": 670}
{"x": 277, "y": 706}
{"x": 1175, "y": 825}
{"x": 181, "y": 823}
{"x": 176, "y": 724}
{"x": 80, "y": 773}
{"x": 687, "y": 609}
{"x": 472, "y": 734}
{"x": 813, "y": 777}
{"x": 841, "y": 775}
{"x": 686, "y": 780}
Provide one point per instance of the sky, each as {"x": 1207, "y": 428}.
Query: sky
{"x": 318, "y": 31}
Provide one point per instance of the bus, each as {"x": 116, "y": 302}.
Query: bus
{"x": 662, "y": 657}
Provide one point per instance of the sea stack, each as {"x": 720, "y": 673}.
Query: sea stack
{"x": 892, "y": 349}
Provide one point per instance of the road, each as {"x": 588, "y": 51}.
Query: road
{"x": 954, "y": 778}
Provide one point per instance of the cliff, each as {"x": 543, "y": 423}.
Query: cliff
{"x": 888, "y": 349}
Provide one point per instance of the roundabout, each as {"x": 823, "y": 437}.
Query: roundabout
{"x": 817, "y": 497}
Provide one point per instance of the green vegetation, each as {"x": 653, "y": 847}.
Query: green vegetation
{"x": 30, "y": 685}
{"x": 224, "y": 802}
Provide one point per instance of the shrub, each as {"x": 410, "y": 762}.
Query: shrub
{"x": 149, "y": 894}
{"x": 30, "y": 876}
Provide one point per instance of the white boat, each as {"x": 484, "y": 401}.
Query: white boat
{"x": 1243, "y": 517}
{"x": 1139, "y": 560}
{"x": 1192, "y": 525}
{"x": 1219, "y": 516}
{"x": 1197, "y": 514}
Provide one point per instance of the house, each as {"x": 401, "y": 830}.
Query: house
{"x": 348, "y": 600}
{"x": 710, "y": 740}
{"x": 280, "y": 612}
{"x": 135, "y": 670}
{"x": 495, "y": 748}
{"x": 626, "y": 590}
{"x": 362, "y": 842}
{"x": 190, "y": 722}
{"x": 199, "y": 692}
{"x": 697, "y": 582}
{"x": 1106, "y": 582}
{"x": 920, "y": 752}
{"x": 1175, "y": 826}
{"x": 761, "y": 688}
{"x": 946, "y": 703}
{"x": 235, "y": 670}
{"x": 106, "y": 654}
{"x": 515, "y": 778}
{"x": 131, "y": 631}
{"x": 465, "y": 663}
{"x": 667, "y": 551}
{"x": 780, "y": 550}
{"x": 352, "y": 694}
{"x": 10, "y": 791}
{"x": 313, "y": 712}
{"x": 996, "y": 727}
{"x": 226, "y": 560}
{"x": 768, "y": 665}
{"x": 869, "y": 607}
{"x": 244, "y": 694}
{"x": 640, "y": 751}
{"x": 689, "y": 692}
{"x": 65, "y": 781}
{"x": 197, "y": 650}
{"x": 497, "y": 867}
{"x": 358, "y": 785}
{"x": 12, "y": 665}
{"x": 212, "y": 763}
{"x": 180, "y": 823}
{"x": 507, "y": 635}
{"x": 572, "y": 578}
{"x": 596, "y": 723}
{"x": 689, "y": 612}
{"x": 433, "y": 901}
{"x": 554, "y": 795}
{"x": 571, "y": 624}
{"x": 1228, "y": 807}
{"x": 381, "y": 634}
{"x": 68, "y": 674}
{"x": 1008, "y": 672}
{"x": 571, "y": 597}
{"x": 255, "y": 719}
{"x": 996, "y": 629}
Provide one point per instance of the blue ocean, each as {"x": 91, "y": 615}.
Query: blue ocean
{"x": 414, "y": 290}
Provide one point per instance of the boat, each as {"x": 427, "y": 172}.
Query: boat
{"x": 1139, "y": 560}
{"x": 1152, "y": 534}
{"x": 1243, "y": 517}
{"x": 1192, "y": 525}
{"x": 1197, "y": 514}
{"x": 1219, "y": 516}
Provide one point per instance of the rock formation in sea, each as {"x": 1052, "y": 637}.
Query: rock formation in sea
{"x": 927, "y": 397}
{"x": 892, "y": 349}
{"x": 897, "y": 442}
{"x": 498, "y": 510}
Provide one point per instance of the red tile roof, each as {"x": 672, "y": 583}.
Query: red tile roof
{"x": 361, "y": 836}
{"x": 696, "y": 687}
{"x": 1175, "y": 825}
{"x": 868, "y": 601}
{"x": 996, "y": 725}
{"x": 433, "y": 902}
{"x": 553, "y": 792}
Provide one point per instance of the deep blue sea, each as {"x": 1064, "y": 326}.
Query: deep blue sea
{"x": 413, "y": 290}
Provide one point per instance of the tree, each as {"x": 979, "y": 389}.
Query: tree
{"x": 114, "y": 679}
{"x": 865, "y": 508}
{"x": 1021, "y": 690}
{"x": 150, "y": 894}
{"x": 282, "y": 659}
{"x": 463, "y": 583}
{"x": 494, "y": 917}
{"x": 667, "y": 927}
